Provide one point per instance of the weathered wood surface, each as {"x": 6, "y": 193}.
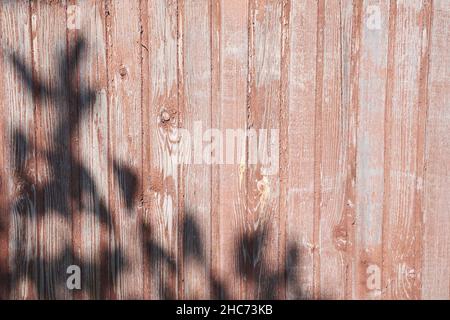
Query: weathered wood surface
{"x": 96, "y": 97}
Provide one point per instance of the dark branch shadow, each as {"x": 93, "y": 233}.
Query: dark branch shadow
{"x": 58, "y": 192}
{"x": 128, "y": 183}
{"x": 252, "y": 266}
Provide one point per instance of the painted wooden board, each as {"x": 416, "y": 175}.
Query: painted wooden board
{"x": 18, "y": 178}
{"x": 115, "y": 135}
{"x": 86, "y": 24}
{"x": 300, "y": 150}
{"x": 331, "y": 161}
{"x": 404, "y": 163}
{"x": 195, "y": 224}
{"x": 124, "y": 52}
{"x": 230, "y": 68}
{"x": 260, "y": 242}
{"x": 160, "y": 41}
{"x": 371, "y": 96}
{"x": 54, "y": 99}
{"x": 436, "y": 206}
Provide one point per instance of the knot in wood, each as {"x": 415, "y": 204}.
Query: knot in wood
{"x": 165, "y": 116}
{"x": 123, "y": 71}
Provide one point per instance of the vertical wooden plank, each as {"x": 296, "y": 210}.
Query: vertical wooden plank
{"x": 74, "y": 55}
{"x": 161, "y": 152}
{"x": 4, "y": 194}
{"x": 289, "y": 251}
{"x": 344, "y": 192}
{"x": 229, "y": 107}
{"x": 92, "y": 164}
{"x": 196, "y": 111}
{"x": 125, "y": 138}
{"x": 370, "y": 152}
{"x": 404, "y": 161}
{"x": 333, "y": 140}
{"x": 18, "y": 205}
{"x": 260, "y": 244}
{"x": 317, "y": 143}
{"x": 4, "y": 219}
{"x": 436, "y": 250}
{"x": 161, "y": 189}
{"x": 53, "y": 130}
{"x": 300, "y": 177}
{"x": 351, "y": 16}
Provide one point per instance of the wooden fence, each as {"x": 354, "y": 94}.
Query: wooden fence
{"x": 93, "y": 91}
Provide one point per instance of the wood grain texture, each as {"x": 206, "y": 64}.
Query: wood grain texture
{"x": 333, "y": 141}
{"x": 230, "y": 68}
{"x": 300, "y": 149}
{"x": 436, "y": 210}
{"x": 345, "y": 233}
{"x": 4, "y": 195}
{"x": 93, "y": 224}
{"x": 404, "y": 145}
{"x": 161, "y": 118}
{"x": 196, "y": 180}
{"x": 125, "y": 142}
{"x": 51, "y": 67}
{"x": 260, "y": 244}
{"x": 370, "y": 92}
{"x": 18, "y": 169}
{"x": 114, "y": 112}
